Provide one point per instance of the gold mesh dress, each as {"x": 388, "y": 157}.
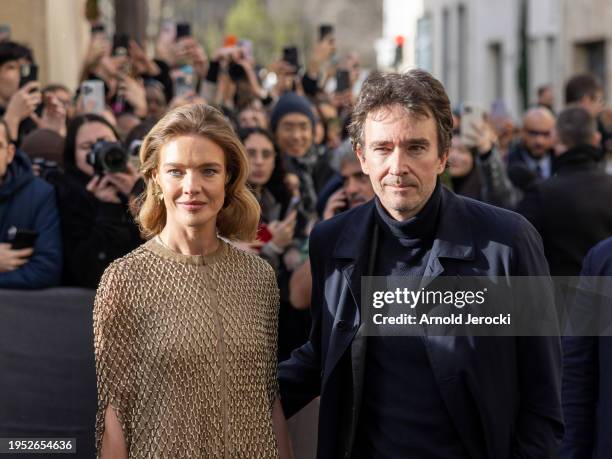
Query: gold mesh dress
{"x": 186, "y": 353}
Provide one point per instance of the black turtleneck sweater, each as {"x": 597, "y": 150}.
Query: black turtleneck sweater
{"x": 402, "y": 412}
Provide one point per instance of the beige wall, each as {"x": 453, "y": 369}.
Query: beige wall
{"x": 56, "y": 31}
{"x": 587, "y": 21}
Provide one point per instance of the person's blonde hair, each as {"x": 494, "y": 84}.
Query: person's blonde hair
{"x": 239, "y": 217}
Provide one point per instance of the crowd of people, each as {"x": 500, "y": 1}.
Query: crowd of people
{"x": 70, "y": 177}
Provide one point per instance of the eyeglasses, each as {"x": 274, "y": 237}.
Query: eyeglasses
{"x": 534, "y": 133}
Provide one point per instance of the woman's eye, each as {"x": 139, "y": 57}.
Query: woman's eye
{"x": 210, "y": 172}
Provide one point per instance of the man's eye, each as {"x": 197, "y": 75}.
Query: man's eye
{"x": 174, "y": 172}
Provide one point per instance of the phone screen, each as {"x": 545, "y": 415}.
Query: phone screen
{"x": 472, "y": 115}
{"x": 183, "y": 29}
{"x": 92, "y": 96}
{"x": 290, "y": 55}
{"x": 343, "y": 80}
{"x": 28, "y": 72}
{"x": 325, "y": 30}
{"x": 21, "y": 238}
{"x": 121, "y": 43}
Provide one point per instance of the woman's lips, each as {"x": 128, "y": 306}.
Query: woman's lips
{"x": 192, "y": 205}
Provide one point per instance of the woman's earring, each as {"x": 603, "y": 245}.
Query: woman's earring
{"x": 159, "y": 194}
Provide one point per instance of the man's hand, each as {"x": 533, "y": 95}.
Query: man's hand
{"x": 11, "y": 259}
{"x": 335, "y": 204}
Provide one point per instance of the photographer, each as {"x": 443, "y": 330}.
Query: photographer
{"x": 17, "y": 104}
{"x": 28, "y": 216}
{"x": 97, "y": 226}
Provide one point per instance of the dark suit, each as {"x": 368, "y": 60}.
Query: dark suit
{"x": 587, "y": 375}
{"x": 571, "y": 210}
{"x": 520, "y": 172}
{"x": 503, "y": 394}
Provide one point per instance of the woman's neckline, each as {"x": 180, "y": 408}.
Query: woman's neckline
{"x": 157, "y": 246}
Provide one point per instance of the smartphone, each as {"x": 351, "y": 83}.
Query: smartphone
{"x": 182, "y": 86}
{"x": 213, "y": 72}
{"x": 5, "y": 32}
{"x": 21, "y": 238}
{"x": 325, "y": 30}
{"x": 27, "y": 73}
{"x": 343, "y": 80}
{"x": 183, "y": 29}
{"x": 290, "y": 55}
{"x": 471, "y": 114}
{"x": 293, "y": 204}
{"x": 92, "y": 95}
{"x": 98, "y": 28}
{"x": 121, "y": 43}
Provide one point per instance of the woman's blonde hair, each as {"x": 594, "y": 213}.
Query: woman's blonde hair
{"x": 239, "y": 217}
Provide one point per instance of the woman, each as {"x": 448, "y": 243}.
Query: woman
{"x": 96, "y": 224}
{"x": 480, "y": 176}
{"x": 185, "y": 326}
{"x": 266, "y": 179}
{"x": 276, "y": 231}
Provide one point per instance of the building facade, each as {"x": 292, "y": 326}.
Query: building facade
{"x": 498, "y": 52}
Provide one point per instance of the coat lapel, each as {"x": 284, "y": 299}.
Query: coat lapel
{"x": 351, "y": 257}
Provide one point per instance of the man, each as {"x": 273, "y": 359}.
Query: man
{"x": 571, "y": 210}
{"x": 292, "y": 124}
{"x": 531, "y": 160}
{"x": 27, "y": 203}
{"x": 17, "y": 105}
{"x": 356, "y": 189}
{"x": 426, "y": 396}
{"x": 587, "y": 368}
{"x": 587, "y": 92}
{"x": 546, "y": 97}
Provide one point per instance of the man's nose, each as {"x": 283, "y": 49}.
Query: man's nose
{"x": 350, "y": 186}
{"x": 397, "y": 162}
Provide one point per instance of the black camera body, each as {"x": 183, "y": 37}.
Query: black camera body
{"x": 107, "y": 157}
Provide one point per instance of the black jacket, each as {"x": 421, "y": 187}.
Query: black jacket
{"x": 94, "y": 233}
{"x": 587, "y": 369}
{"x": 571, "y": 210}
{"x": 502, "y": 393}
{"x": 519, "y": 172}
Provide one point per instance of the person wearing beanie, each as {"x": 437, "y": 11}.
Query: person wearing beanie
{"x": 292, "y": 123}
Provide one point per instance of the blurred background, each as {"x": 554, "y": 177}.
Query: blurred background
{"x": 493, "y": 52}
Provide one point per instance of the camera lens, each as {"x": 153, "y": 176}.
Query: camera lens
{"x": 115, "y": 159}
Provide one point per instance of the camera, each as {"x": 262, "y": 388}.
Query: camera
{"x": 107, "y": 157}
